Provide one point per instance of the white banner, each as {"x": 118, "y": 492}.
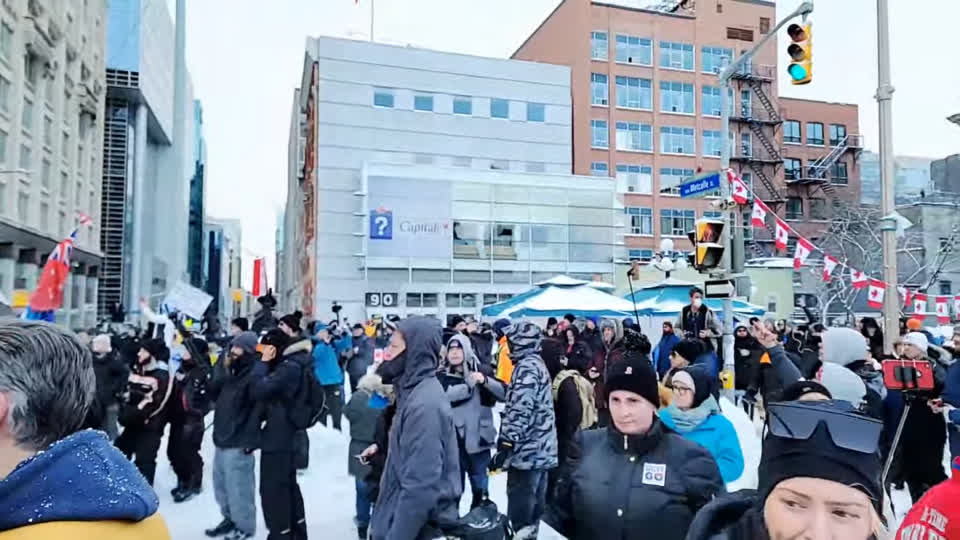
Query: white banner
{"x": 188, "y": 300}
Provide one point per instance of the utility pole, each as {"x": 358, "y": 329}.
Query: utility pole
{"x": 733, "y": 256}
{"x": 891, "y": 310}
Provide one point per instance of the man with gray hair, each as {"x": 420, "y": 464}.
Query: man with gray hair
{"x": 57, "y": 481}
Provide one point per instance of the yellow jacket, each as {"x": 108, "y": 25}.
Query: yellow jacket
{"x": 504, "y": 363}
{"x": 152, "y": 528}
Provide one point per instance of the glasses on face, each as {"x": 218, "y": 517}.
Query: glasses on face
{"x": 680, "y": 389}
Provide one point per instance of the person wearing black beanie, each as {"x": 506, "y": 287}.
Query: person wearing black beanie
{"x": 290, "y": 324}
{"x": 810, "y": 485}
{"x": 636, "y": 479}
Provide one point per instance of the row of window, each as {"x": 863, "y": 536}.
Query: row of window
{"x": 24, "y": 215}
{"x": 673, "y": 222}
{"x": 675, "y": 97}
{"x": 462, "y": 105}
{"x": 638, "y": 179}
{"x": 672, "y": 55}
{"x": 791, "y": 133}
{"x": 638, "y": 137}
{"x": 793, "y": 170}
{"x": 817, "y": 207}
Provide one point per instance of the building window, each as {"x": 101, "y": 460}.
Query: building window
{"x": 63, "y": 223}
{"x": 599, "y": 168}
{"x": 26, "y": 157}
{"x": 710, "y": 101}
{"x": 764, "y": 25}
{"x": 462, "y": 161}
{"x": 671, "y": 178}
{"x": 712, "y": 214}
{"x": 815, "y": 133}
{"x": 741, "y": 34}
{"x": 48, "y": 130}
{"x": 30, "y": 70}
{"x": 676, "y": 222}
{"x": 6, "y": 40}
{"x": 642, "y": 255}
{"x": 771, "y": 303}
{"x": 818, "y": 209}
{"x": 635, "y": 137}
{"x": 792, "y": 168}
{"x": 599, "y": 134}
{"x": 712, "y": 143}
{"x": 26, "y": 118}
{"x": 791, "y": 131}
{"x": 500, "y": 165}
{"x": 78, "y": 194}
{"x": 536, "y": 112}
{"x": 598, "y": 89}
{"x": 946, "y": 288}
{"x": 641, "y": 220}
{"x": 714, "y": 59}
{"x": 4, "y": 95}
{"x": 44, "y": 216}
{"x": 635, "y": 178}
{"x": 3, "y": 198}
{"x": 598, "y": 45}
{"x": 838, "y": 132}
{"x": 65, "y": 147}
{"x": 634, "y": 50}
{"x": 944, "y": 242}
{"x": 3, "y": 147}
{"x": 23, "y": 207}
{"x": 676, "y": 55}
{"x": 676, "y": 97}
{"x": 462, "y": 105}
{"x": 747, "y": 228}
{"x": 794, "y": 208}
{"x": 64, "y": 182}
{"x": 677, "y": 140}
{"x": 838, "y": 173}
{"x": 634, "y": 93}
{"x": 747, "y": 179}
{"x": 499, "y": 108}
{"x": 45, "y": 173}
{"x": 746, "y": 104}
{"x": 423, "y": 102}
{"x": 383, "y": 97}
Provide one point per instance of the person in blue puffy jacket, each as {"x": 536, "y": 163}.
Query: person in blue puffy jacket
{"x": 327, "y": 368}
{"x": 695, "y": 414}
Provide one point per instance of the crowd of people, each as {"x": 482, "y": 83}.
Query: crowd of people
{"x": 600, "y": 434}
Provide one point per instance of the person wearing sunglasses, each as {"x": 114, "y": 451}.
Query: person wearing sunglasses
{"x": 819, "y": 478}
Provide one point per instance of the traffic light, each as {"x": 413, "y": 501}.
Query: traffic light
{"x": 800, "y": 50}
{"x": 707, "y": 239}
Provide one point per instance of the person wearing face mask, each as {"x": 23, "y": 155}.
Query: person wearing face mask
{"x": 112, "y": 376}
{"x": 636, "y": 479}
{"x": 819, "y": 479}
{"x": 697, "y": 320}
{"x": 188, "y": 405}
{"x": 420, "y": 486}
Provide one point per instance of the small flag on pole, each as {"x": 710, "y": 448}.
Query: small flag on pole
{"x": 804, "y": 247}
{"x": 875, "y": 293}
{"x": 943, "y": 310}
{"x": 782, "y": 236}
{"x": 259, "y": 277}
{"x": 759, "y": 216}
{"x": 919, "y": 306}
{"x": 740, "y": 194}
{"x": 829, "y": 264}
{"x": 858, "y": 279}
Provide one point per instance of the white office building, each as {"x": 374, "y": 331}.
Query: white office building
{"x": 51, "y": 134}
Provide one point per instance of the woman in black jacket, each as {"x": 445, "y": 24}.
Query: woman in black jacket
{"x": 635, "y": 479}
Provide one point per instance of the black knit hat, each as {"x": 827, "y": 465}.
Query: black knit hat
{"x": 689, "y": 349}
{"x": 456, "y": 320}
{"x": 157, "y": 349}
{"x": 292, "y": 320}
{"x": 634, "y": 374}
{"x": 275, "y": 338}
{"x": 798, "y": 389}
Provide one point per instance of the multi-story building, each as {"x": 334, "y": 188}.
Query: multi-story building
{"x": 149, "y": 154}
{"x": 362, "y": 102}
{"x": 223, "y": 263}
{"x": 911, "y": 176}
{"x": 198, "y": 196}
{"x": 646, "y": 105}
{"x": 288, "y": 287}
{"x": 51, "y": 132}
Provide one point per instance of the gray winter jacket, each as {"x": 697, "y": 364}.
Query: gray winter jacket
{"x": 529, "y": 421}
{"x": 421, "y": 479}
{"x": 474, "y": 421}
{"x": 363, "y": 417}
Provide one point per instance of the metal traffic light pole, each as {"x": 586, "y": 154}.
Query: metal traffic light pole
{"x": 733, "y": 257}
{"x": 891, "y": 308}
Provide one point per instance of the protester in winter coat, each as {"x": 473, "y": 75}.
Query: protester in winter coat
{"x": 504, "y": 363}
{"x": 56, "y": 481}
{"x": 696, "y": 320}
{"x": 364, "y": 409}
{"x": 236, "y": 434}
{"x": 326, "y": 366}
{"x": 421, "y": 478}
{"x": 843, "y": 384}
{"x": 612, "y": 352}
{"x": 873, "y": 334}
{"x": 578, "y": 351}
{"x": 950, "y": 397}
{"x": 112, "y": 376}
{"x": 567, "y": 406}
{"x": 471, "y": 394}
{"x": 527, "y": 448}
{"x": 189, "y": 403}
{"x": 592, "y": 335}
{"x": 238, "y": 326}
{"x": 361, "y": 357}
{"x": 551, "y": 329}
{"x": 144, "y": 411}
{"x": 811, "y": 485}
{"x": 264, "y": 319}
{"x": 482, "y": 340}
{"x": 848, "y": 348}
{"x": 935, "y": 515}
{"x": 775, "y": 370}
{"x": 636, "y": 479}
{"x": 746, "y": 356}
{"x": 276, "y": 379}
{"x": 695, "y": 414}
{"x": 661, "y": 354}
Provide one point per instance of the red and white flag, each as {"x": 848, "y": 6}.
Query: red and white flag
{"x": 858, "y": 279}
{"x": 919, "y": 305}
{"x": 259, "y": 277}
{"x": 875, "y": 293}
{"x": 804, "y": 247}
{"x": 829, "y": 265}
{"x": 759, "y": 216}
{"x": 740, "y": 193}
{"x": 905, "y": 293}
{"x": 943, "y": 309}
{"x": 84, "y": 220}
{"x": 782, "y": 236}
{"x": 956, "y": 306}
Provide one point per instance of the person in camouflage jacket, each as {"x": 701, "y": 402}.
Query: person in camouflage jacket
{"x": 528, "y": 436}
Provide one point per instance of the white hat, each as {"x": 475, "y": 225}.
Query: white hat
{"x": 918, "y": 340}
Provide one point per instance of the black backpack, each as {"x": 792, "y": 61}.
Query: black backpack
{"x": 309, "y": 402}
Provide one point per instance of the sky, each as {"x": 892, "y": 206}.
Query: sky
{"x": 246, "y": 59}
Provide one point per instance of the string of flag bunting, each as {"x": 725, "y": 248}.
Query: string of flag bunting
{"x": 876, "y": 289}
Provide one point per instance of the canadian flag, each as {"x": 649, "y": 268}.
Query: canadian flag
{"x": 875, "y": 293}
{"x": 919, "y": 305}
{"x": 759, "y": 216}
{"x": 782, "y": 236}
{"x": 740, "y": 194}
{"x": 829, "y": 265}
{"x": 259, "y": 277}
{"x": 804, "y": 247}
{"x": 858, "y": 279}
{"x": 905, "y": 293}
{"x": 943, "y": 310}
{"x": 956, "y": 306}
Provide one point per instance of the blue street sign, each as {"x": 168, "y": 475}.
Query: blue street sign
{"x": 381, "y": 224}
{"x": 698, "y": 186}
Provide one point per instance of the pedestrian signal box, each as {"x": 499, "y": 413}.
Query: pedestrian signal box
{"x": 707, "y": 239}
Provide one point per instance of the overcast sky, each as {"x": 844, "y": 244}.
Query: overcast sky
{"x": 246, "y": 57}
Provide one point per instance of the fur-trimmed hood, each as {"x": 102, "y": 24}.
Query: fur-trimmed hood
{"x": 301, "y": 345}
{"x": 373, "y": 383}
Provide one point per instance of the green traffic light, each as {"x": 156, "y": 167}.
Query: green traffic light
{"x": 797, "y": 72}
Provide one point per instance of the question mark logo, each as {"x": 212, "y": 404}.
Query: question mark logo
{"x": 381, "y": 224}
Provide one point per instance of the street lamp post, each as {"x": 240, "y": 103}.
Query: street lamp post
{"x": 891, "y": 310}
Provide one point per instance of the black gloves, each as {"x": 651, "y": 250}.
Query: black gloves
{"x": 504, "y": 451}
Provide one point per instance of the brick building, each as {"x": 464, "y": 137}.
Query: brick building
{"x": 646, "y": 111}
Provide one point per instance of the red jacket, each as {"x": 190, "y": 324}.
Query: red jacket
{"x": 936, "y": 514}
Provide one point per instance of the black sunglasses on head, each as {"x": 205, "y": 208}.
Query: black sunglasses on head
{"x": 847, "y": 428}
